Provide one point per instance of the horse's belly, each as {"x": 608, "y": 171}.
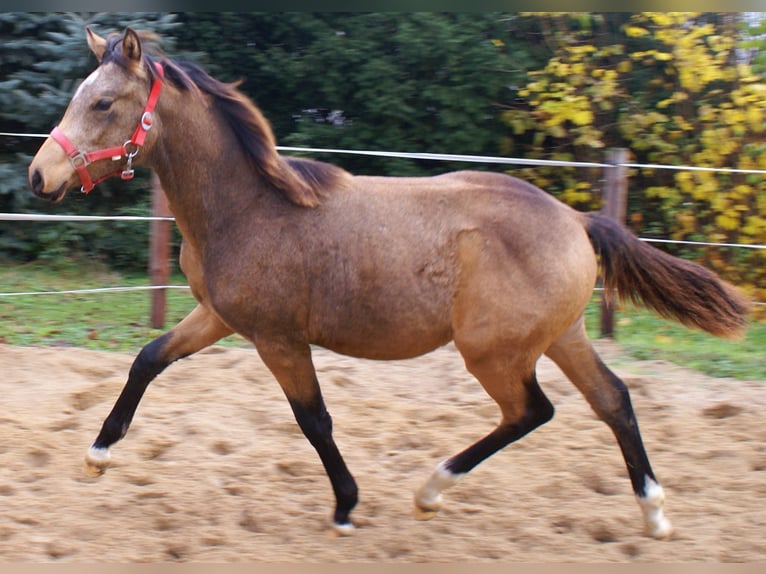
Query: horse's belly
{"x": 381, "y": 329}
{"x": 383, "y": 300}
{"x": 385, "y": 346}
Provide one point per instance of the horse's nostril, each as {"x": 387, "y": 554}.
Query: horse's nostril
{"x": 37, "y": 182}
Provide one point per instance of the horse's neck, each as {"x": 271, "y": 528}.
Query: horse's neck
{"x": 202, "y": 170}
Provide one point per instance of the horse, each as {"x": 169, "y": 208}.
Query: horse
{"x": 291, "y": 252}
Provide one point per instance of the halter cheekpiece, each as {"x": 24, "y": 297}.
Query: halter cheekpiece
{"x": 128, "y": 150}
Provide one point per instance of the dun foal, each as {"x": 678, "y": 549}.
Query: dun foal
{"x": 291, "y": 253}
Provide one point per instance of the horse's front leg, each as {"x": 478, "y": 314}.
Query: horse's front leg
{"x": 195, "y": 332}
{"x": 292, "y": 367}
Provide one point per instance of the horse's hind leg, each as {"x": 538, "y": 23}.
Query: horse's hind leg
{"x": 196, "y": 331}
{"x": 523, "y": 406}
{"x": 609, "y": 398}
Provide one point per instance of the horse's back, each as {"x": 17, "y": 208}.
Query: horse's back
{"x": 398, "y": 258}
{"x": 532, "y": 224}
{"x": 462, "y": 189}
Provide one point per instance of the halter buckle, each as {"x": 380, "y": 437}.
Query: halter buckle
{"x": 146, "y": 121}
{"x": 78, "y": 160}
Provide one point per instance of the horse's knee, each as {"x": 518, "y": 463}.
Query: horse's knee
{"x": 314, "y": 421}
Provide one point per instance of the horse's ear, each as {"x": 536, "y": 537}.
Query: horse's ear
{"x": 96, "y": 43}
{"x": 131, "y": 45}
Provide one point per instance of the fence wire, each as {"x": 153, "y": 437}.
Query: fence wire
{"x": 483, "y": 159}
{"x": 403, "y": 155}
{"x": 97, "y": 290}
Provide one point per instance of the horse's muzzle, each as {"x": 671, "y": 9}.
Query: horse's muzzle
{"x": 37, "y": 184}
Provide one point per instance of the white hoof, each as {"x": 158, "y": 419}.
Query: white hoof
{"x": 346, "y": 529}
{"x": 96, "y": 461}
{"x": 428, "y": 498}
{"x": 657, "y": 526}
{"x": 661, "y": 529}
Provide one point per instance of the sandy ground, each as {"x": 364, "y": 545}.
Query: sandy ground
{"x": 215, "y": 469}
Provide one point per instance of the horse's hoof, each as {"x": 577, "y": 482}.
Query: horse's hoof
{"x": 426, "y": 504}
{"x": 96, "y": 461}
{"x": 421, "y": 513}
{"x": 345, "y": 529}
{"x": 657, "y": 526}
{"x": 662, "y": 530}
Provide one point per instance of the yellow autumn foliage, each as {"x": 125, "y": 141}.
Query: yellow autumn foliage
{"x": 699, "y": 106}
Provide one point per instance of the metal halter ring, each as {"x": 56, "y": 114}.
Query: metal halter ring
{"x": 146, "y": 121}
{"x": 129, "y": 172}
{"x": 130, "y": 154}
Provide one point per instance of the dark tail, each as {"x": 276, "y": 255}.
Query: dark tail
{"x": 674, "y": 288}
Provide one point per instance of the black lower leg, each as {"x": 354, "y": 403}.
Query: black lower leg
{"x": 622, "y": 420}
{"x": 539, "y": 410}
{"x": 147, "y": 365}
{"x": 316, "y": 424}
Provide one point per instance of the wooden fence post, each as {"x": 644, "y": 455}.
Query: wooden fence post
{"x": 159, "y": 252}
{"x": 615, "y": 205}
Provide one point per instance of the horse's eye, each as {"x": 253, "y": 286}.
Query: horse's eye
{"x": 102, "y": 105}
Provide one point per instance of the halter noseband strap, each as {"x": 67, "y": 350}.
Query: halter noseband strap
{"x": 128, "y": 150}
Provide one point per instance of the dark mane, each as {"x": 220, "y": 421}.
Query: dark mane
{"x": 301, "y": 181}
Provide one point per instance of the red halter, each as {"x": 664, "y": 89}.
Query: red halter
{"x": 128, "y": 150}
